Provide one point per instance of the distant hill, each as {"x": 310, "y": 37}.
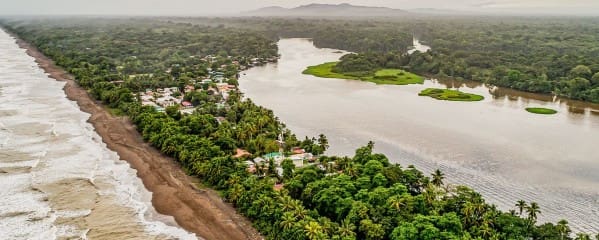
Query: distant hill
{"x": 327, "y": 10}
{"x": 442, "y": 11}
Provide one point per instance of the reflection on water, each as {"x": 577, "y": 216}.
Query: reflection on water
{"x": 494, "y": 145}
{"x": 418, "y": 47}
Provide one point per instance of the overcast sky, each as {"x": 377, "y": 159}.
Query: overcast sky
{"x": 217, "y": 7}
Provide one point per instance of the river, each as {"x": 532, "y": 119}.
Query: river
{"x": 57, "y": 178}
{"x": 493, "y": 146}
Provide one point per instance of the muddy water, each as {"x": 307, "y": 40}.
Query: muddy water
{"x": 493, "y": 146}
{"x": 57, "y": 179}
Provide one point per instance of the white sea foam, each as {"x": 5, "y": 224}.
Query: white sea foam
{"x": 51, "y": 157}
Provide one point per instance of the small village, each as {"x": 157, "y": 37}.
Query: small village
{"x": 161, "y": 98}
{"x": 214, "y": 84}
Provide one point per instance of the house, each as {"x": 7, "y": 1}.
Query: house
{"x": 146, "y": 97}
{"x": 241, "y": 153}
{"x": 298, "y": 150}
{"x": 167, "y": 101}
{"x": 259, "y": 160}
{"x": 276, "y": 156}
{"x": 251, "y": 166}
{"x": 298, "y": 159}
{"x": 187, "y": 111}
{"x": 148, "y": 103}
{"x": 186, "y": 104}
{"x": 222, "y": 87}
{"x": 219, "y": 78}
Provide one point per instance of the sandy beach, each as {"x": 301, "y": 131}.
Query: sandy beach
{"x": 174, "y": 193}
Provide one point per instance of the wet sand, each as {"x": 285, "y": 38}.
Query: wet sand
{"x": 174, "y": 193}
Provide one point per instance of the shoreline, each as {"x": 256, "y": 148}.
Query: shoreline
{"x": 174, "y": 193}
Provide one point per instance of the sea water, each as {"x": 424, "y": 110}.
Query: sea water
{"x": 57, "y": 178}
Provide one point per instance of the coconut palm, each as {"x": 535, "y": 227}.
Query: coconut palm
{"x": 521, "y": 205}
{"x": 583, "y": 236}
{"x": 438, "y": 177}
{"x": 395, "y": 202}
{"x": 347, "y": 229}
{"x": 299, "y": 210}
{"x": 235, "y": 193}
{"x": 288, "y": 220}
{"x": 533, "y": 210}
{"x": 313, "y": 230}
{"x": 287, "y": 203}
{"x": 563, "y": 229}
{"x": 351, "y": 170}
{"x": 468, "y": 212}
{"x": 486, "y": 231}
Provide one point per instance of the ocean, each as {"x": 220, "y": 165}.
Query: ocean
{"x": 58, "y": 180}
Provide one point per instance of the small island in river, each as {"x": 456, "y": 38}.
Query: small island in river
{"x": 539, "y": 110}
{"x": 381, "y": 76}
{"x": 450, "y": 95}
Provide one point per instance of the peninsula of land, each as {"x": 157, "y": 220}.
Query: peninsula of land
{"x": 198, "y": 210}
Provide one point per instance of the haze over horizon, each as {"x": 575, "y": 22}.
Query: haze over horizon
{"x": 231, "y": 7}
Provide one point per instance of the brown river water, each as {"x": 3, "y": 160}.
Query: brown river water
{"x": 493, "y": 146}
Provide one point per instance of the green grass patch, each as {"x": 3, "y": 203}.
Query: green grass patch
{"x": 382, "y": 76}
{"x": 541, "y": 110}
{"x": 450, "y": 95}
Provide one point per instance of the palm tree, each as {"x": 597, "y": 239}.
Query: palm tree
{"x": 533, "y": 210}
{"x": 234, "y": 179}
{"x": 563, "y": 229}
{"x": 252, "y": 129}
{"x": 468, "y": 212}
{"x": 235, "y": 193}
{"x": 347, "y": 229}
{"x": 486, "y": 231}
{"x": 583, "y": 236}
{"x": 395, "y": 202}
{"x": 351, "y": 170}
{"x": 299, "y": 210}
{"x": 313, "y": 230}
{"x": 288, "y": 220}
{"x": 323, "y": 142}
{"x": 326, "y": 224}
{"x": 521, "y": 204}
{"x": 438, "y": 177}
{"x": 287, "y": 203}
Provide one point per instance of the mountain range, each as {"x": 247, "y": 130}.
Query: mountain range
{"x": 328, "y": 10}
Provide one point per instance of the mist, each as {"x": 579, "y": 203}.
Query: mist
{"x": 231, "y": 7}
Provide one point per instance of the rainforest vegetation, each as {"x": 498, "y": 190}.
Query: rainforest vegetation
{"x": 539, "y": 110}
{"x": 380, "y": 76}
{"x": 450, "y": 95}
{"x": 543, "y": 55}
{"x": 366, "y": 196}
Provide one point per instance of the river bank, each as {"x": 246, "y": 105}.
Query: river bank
{"x": 492, "y": 145}
{"x": 174, "y": 193}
